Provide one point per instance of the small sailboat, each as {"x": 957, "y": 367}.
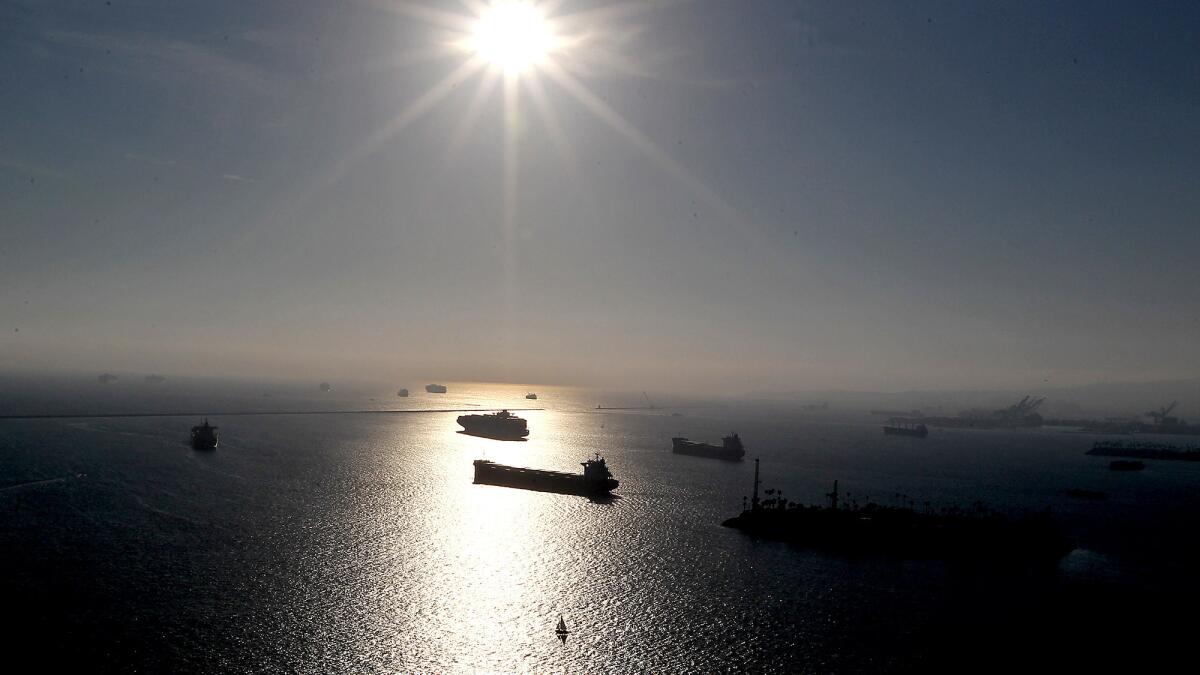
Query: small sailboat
{"x": 561, "y": 631}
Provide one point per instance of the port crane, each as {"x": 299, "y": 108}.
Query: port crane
{"x": 1023, "y": 408}
{"x": 649, "y": 405}
{"x": 1161, "y": 416}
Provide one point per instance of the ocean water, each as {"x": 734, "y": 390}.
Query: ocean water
{"x": 358, "y": 543}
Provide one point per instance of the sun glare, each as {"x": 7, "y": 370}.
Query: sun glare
{"x": 512, "y": 35}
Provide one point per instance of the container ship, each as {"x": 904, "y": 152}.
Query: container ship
{"x": 503, "y": 426}
{"x": 730, "y": 449}
{"x": 596, "y": 479}
{"x": 204, "y": 436}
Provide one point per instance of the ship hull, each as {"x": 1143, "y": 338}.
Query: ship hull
{"x": 201, "y": 442}
{"x": 682, "y": 446}
{"x": 497, "y": 435}
{"x": 488, "y": 473}
{"x": 514, "y": 429}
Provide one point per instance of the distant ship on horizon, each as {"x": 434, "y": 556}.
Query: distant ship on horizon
{"x": 531, "y": 396}
{"x": 730, "y": 449}
{"x": 435, "y": 388}
{"x": 898, "y": 426}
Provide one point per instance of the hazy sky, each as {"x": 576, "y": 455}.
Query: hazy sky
{"x": 736, "y": 195}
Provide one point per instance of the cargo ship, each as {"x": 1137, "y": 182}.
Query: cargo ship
{"x": 204, "y": 436}
{"x": 903, "y": 532}
{"x": 435, "y": 388}
{"x": 502, "y": 425}
{"x": 596, "y": 479}
{"x": 904, "y": 427}
{"x": 730, "y": 449}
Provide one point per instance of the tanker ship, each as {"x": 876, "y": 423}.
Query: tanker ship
{"x": 596, "y": 479}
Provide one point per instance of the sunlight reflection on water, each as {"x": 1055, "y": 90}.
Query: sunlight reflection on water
{"x": 359, "y": 543}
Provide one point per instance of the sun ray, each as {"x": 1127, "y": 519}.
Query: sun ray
{"x": 439, "y": 17}
{"x": 487, "y": 84}
{"x": 292, "y": 202}
{"x": 426, "y": 54}
{"x": 475, "y": 7}
{"x": 410, "y": 114}
{"x": 639, "y": 140}
{"x": 512, "y": 130}
{"x": 608, "y": 13}
{"x": 511, "y": 167}
{"x": 550, "y": 119}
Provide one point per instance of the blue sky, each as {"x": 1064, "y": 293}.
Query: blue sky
{"x": 779, "y": 195}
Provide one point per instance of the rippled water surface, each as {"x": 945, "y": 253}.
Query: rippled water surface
{"x": 358, "y": 543}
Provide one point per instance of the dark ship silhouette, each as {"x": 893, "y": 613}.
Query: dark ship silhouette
{"x": 204, "y": 436}
{"x": 403, "y": 393}
{"x": 561, "y": 630}
{"x": 435, "y": 388}
{"x": 503, "y": 426}
{"x": 730, "y": 449}
{"x": 1145, "y": 450}
{"x": 904, "y": 427}
{"x": 1126, "y": 465}
{"x": 596, "y": 479}
{"x": 899, "y": 531}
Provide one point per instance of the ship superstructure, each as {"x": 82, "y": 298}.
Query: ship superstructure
{"x": 204, "y": 436}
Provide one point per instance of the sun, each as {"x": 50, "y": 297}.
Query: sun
{"x": 512, "y": 35}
